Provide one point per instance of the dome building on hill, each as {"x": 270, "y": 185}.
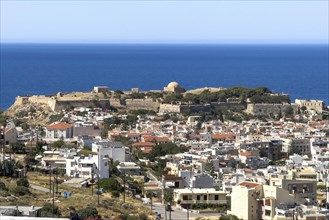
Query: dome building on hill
{"x": 173, "y": 87}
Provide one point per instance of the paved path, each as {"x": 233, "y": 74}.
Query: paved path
{"x": 40, "y": 188}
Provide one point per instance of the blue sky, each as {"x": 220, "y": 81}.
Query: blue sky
{"x": 164, "y": 21}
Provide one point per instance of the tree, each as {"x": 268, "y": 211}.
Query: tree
{"x": 17, "y": 148}
{"x": 150, "y": 195}
{"x": 88, "y": 212}
{"x": 58, "y": 144}
{"x": 168, "y": 198}
{"x": 104, "y": 134}
{"x": 289, "y": 111}
{"x": 110, "y": 184}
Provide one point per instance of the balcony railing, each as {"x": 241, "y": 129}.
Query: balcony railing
{"x": 203, "y": 202}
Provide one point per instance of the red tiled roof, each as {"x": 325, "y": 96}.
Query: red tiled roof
{"x": 250, "y": 184}
{"x": 246, "y": 154}
{"x": 133, "y": 135}
{"x": 59, "y": 126}
{"x": 221, "y": 136}
{"x": 161, "y": 139}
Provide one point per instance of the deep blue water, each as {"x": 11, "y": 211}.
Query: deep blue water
{"x": 300, "y": 71}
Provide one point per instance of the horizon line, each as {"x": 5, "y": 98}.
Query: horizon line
{"x": 167, "y": 43}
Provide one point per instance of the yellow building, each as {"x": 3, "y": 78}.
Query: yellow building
{"x": 251, "y": 201}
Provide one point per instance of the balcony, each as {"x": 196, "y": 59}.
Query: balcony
{"x": 203, "y": 202}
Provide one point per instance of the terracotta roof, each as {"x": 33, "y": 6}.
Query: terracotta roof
{"x": 133, "y": 135}
{"x": 250, "y": 184}
{"x": 221, "y": 136}
{"x": 161, "y": 139}
{"x": 143, "y": 144}
{"x": 246, "y": 154}
{"x": 59, "y": 126}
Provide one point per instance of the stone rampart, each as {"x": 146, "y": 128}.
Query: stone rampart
{"x": 147, "y": 104}
{"x": 58, "y": 105}
{"x": 116, "y": 102}
{"x": 165, "y": 108}
{"x": 195, "y": 108}
{"x": 219, "y": 106}
{"x": 265, "y": 109}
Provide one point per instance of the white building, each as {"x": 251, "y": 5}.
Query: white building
{"x": 110, "y": 149}
{"x": 88, "y": 167}
{"x": 59, "y": 130}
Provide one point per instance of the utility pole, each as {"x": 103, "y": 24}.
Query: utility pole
{"x": 50, "y": 179}
{"x": 56, "y": 180}
{"x": 124, "y": 186}
{"x": 3, "y": 148}
{"x": 54, "y": 198}
{"x": 98, "y": 192}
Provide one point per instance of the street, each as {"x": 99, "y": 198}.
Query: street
{"x": 178, "y": 214}
{"x": 40, "y": 188}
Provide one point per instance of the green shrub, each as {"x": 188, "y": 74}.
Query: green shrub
{"x": 115, "y": 194}
{"x": 20, "y": 191}
{"x": 22, "y": 182}
{"x": 88, "y": 212}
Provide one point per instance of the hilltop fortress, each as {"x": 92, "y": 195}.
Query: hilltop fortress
{"x": 103, "y": 97}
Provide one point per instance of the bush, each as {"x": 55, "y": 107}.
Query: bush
{"x": 22, "y": 182}
{"x": 20, "y": 191}
{"x": 115, "y": 194}
{"x": 88, "y": 212}
{"x": 3, "y": 186}
{"x": 47, "y": 211}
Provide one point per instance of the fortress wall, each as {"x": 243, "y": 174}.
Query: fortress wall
{"x": 39, "y": 99}
{"x": 21, "y": 100}
{"x": 147, "y": 104}
{"x": 228, "y": 105}
{"x": 169, "y": 108}
{"x": 59, "y": 105}
{"x": 195, "y": 108}
{"x": 116, "y": 102}
{"x": 259, "y": 109}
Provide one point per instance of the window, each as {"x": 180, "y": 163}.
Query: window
{"x": 216, "y": 197}
{"x": 204, "y": 197}
{"x": 268, "y": 212}
{"x": 198, "y": 197}
{"x": 185, "y": 197}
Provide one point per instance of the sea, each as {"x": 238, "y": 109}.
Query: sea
{"x": 29, "y": 69}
